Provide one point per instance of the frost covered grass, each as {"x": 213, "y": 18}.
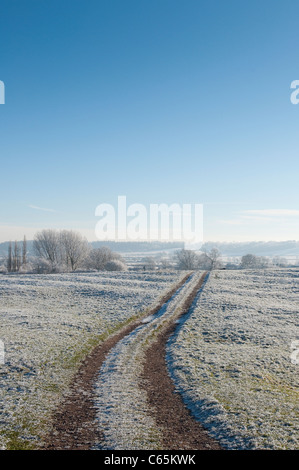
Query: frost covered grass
{"x": 231, "y": 358}
{"x": 48, "y": 324}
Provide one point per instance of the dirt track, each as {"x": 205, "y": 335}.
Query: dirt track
{"x": 180, "y": 430}
{"x": 74, "y": 424}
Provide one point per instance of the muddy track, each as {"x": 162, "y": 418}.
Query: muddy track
{"x": 133, "y": 384}
{"x": 180, "y": 431}
{"x": 74, "y": 423}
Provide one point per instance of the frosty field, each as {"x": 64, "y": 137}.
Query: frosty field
{"x": 233, "y": 360}
{"x": 48, "y": 324}
{"x": 234, "y": 356}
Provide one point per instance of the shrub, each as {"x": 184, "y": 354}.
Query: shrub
{"x": 115, "y": 265}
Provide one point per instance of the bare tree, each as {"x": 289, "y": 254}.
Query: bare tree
{"x": 24, "y": 252}
{"x": 9, "y": 258}
{"x": 74, "y": 248}
{"x": 249, "y": 261}
{"x": 204, "y": 262}
{"x": 16, "y": 259}
{"x": 46, "y": 246}
{"x": 189, "y": 259}
{"x": 252, "y": 261}
{"x": 214, "y": 256}
{"x": 186, "y": 259}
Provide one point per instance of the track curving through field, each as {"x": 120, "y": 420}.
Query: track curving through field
{"x": 123, "y": 398}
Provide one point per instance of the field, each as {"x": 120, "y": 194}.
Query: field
{"x": 231, "y": 356}
{"x": 231, "y": 359}
{"x": 48, "y": 324}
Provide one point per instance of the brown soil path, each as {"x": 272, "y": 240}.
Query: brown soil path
{"x": 179, "y": 429}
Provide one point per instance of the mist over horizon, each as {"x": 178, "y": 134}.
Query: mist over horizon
{"x": 287, "y": 248}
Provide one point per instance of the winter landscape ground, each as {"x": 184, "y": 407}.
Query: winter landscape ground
{"x": 48, "y": 324}
{"x": 231, "y": 357}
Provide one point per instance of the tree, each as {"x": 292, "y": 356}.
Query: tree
{"x": 115, "y": 265}
{"x": 186, "y": 259}
{"x": 42, "y": 266}
{"x": 60, "y": 248}
{"x": 189, "y": 259}
{"x": 16, "y": 259}
{"x": 9, "y": 258}
{"x": 254, "y": 262}
{"x": 99, "y": 257}
{"x": 249, "y": 261}
{"x": 24, "y": 252}
{"x": 46, "y": 245}
{"x": 214, "y": 256}
{"x": 74, "y": 248}
{"x": 204, "y": 262}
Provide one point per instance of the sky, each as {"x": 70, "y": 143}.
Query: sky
{"x": 160, "y": 101}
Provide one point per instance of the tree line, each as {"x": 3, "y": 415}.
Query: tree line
{"x": 61, "y": 251}
{"x": 208, "y": 260}
{"x": 68, "y": 251}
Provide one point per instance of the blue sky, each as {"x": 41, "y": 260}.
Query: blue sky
{"x": 163, "y": 101}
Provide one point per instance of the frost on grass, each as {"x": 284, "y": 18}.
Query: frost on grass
{"x": 48, "y": 324}
{"x": 231, "y": 359}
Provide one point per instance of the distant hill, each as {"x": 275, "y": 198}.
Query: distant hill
{"x": 119, "y": 247}
{"x": 139, "y": 247}
{"x": 287, "y": 249}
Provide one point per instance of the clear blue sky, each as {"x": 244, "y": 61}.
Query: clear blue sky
{"x": 164, "y": 101}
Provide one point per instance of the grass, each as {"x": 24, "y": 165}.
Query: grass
{"x": 238, "y": 356}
